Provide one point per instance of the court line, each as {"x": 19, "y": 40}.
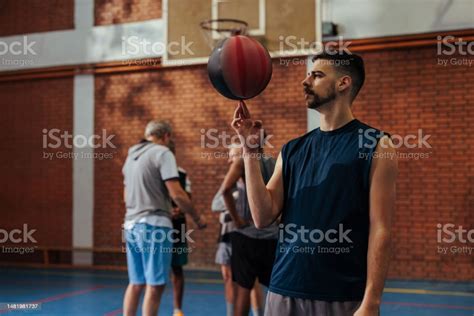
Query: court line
{"x": 425, "y": 305}
{"x": 219, "y": 281}
{"x": 427, "y": 292}
{"x": 114, "y": 312}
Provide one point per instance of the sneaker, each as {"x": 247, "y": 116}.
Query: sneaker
{"x": 178, "y": 312}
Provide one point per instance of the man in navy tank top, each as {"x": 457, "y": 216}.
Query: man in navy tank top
{"x": 334, "y": 189}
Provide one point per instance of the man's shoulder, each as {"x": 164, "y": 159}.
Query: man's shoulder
{"x": 134, "y": 148}
{"x": 148, "y": 149}
{"x": 298, "y": 141}
{"x": 368, "y": 130}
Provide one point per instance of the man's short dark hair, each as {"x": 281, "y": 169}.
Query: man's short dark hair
{"x": 348, "y": 64}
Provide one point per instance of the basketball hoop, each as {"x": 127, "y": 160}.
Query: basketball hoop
{"x": 215, "y": 30}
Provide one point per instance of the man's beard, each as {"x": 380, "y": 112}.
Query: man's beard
{"x": 319, "y": 101}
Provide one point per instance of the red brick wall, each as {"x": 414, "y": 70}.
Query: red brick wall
{"x": 405, "y": 91}
{"x": 35, "y": 191}
{"x": 121, "y": 11}
{"x": 33, "y": 16}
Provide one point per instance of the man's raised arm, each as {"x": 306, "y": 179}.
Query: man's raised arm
{"x": 266, "y": 202}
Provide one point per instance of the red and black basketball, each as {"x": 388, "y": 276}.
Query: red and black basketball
{"x": 239, "y": 67}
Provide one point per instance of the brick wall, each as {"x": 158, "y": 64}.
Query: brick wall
{"x": 34, "y": 190}
{"x": 120, "y": 11}
{"x": 405, "y": 91}
{"x": 22, "y": 16}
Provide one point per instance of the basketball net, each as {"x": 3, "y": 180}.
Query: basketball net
{"x": 214, "y": 31}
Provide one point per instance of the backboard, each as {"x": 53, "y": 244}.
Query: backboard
{"x": 285, "y": 27}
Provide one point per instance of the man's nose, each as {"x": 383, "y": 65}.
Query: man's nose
{"x": 306, "y": 82}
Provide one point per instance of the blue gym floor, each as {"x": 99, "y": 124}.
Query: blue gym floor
{"x": 88, "y": 292}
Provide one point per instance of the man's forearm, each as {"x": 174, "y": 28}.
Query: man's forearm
{"x": 185, "y": 205}
{"x": 230, "y": 205}
{"x": 259, "y": 197}
{"x": 378, "y": 260}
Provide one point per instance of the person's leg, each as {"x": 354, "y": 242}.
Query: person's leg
{"x": 157, "y": 258}
{"x": 152, "y": 299}
{"x": 178, "y": 259}
{"x": 135, "y": 270}
{"x": 243, "y": 271}
{"x": 131, "y": 299}
{"x": 242, "y": 301}
{"x": 178, "y": 287}
{"x": 256, "y": 297}
{"x": 229, "y": 288}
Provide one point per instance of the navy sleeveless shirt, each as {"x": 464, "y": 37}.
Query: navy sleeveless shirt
{"x": 324, "y": 230}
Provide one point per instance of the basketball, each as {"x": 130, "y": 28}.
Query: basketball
{"x": 239, "y": 67}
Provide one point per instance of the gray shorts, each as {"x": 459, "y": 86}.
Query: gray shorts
{"x": 224, "y": 251}
{"x": 278, "y": 305}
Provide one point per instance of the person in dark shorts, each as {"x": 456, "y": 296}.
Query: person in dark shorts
{"x": 253, "y": 250}
{"x": 334, "y": 188}
{"x": 179, "y": 257}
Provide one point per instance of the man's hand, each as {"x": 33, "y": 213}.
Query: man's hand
{"x": 240, "y": 222}
{"x": 247, "y": 129}
{"x": 183, "y": 202}
{"x": 201, "y": 224}
{"x": 175, "y": 212}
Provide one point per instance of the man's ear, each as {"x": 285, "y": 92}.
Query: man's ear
{"x": 344, "y": 83}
